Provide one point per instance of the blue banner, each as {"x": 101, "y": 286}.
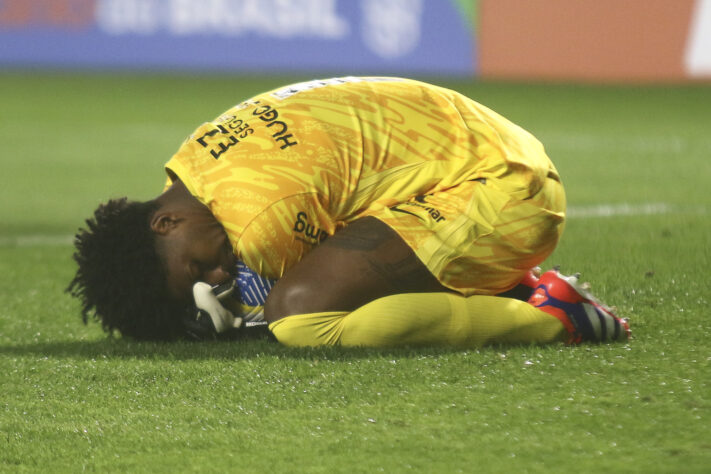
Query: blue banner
{"x": 342, "y": 36}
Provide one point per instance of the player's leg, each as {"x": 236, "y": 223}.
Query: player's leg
{"x": 443, "y": 319}
{"x": 445, "y": 241}
{"x": 324, "y": 299}
{"x": 365, "y": 287}
{"x": 453, "y": 320}
{"x": 362, "y": 262}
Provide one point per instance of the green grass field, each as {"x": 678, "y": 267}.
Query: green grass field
{"x": 637, "y": 168}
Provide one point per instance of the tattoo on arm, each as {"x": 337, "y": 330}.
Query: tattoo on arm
{"x": 387, "y": 260}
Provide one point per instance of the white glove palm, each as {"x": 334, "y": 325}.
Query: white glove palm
{"x": 209, "y": 302}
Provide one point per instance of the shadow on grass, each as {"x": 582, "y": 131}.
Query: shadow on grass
{"x": 117, "y": 348}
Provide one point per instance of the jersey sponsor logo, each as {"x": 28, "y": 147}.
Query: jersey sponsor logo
{"x": 306, "y": 230}
{"x": 421, "y": 203}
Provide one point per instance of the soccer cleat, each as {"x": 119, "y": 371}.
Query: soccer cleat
{"x": 584, "y": 317}
{"x": 530, "y": 279}
{"x": 524, "y": 288}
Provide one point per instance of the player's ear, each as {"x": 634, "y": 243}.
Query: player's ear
{"x": 162, "y": 223}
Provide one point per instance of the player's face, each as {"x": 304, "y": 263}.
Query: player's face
{"x": 196, "y": 251}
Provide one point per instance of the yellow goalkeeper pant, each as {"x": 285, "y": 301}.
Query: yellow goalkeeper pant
{"x": 437, "y": 319}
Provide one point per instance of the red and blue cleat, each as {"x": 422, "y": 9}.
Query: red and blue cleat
{"x": 585, "y": 318}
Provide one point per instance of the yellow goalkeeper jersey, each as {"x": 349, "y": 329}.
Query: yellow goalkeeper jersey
{"x": 287, "y": 168}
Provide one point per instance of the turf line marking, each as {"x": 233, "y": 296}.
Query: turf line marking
{"x": 637, "y": 144}
{"x": 574, "y": 212}
{"x": 36, "y": 240}
{"x": 613, "y": 210}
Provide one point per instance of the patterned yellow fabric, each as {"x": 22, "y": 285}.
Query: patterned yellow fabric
{"x": 488, "y": 239}
{"x": 433, "y": 319}
{"x": 289, "y": 167}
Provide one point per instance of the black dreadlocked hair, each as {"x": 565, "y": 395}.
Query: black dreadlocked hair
{"x": 121, "y": 280}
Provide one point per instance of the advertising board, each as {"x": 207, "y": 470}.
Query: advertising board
{"x": 343, "y": 36}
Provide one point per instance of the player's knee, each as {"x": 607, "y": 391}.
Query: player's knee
{"x": 292, "y": 297}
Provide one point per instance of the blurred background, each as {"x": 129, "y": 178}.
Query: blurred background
{"x": 640, "y": 40}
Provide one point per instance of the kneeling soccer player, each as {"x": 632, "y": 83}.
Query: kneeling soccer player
{"x": 388, "y": 211}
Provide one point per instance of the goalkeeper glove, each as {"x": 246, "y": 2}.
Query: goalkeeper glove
{"x": 209, "y": 317}
{"x": 208, "y": 301}
{"x": 231, "y": 306}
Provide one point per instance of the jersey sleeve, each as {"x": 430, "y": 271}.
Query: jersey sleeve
{"x": 283, "y": 233}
